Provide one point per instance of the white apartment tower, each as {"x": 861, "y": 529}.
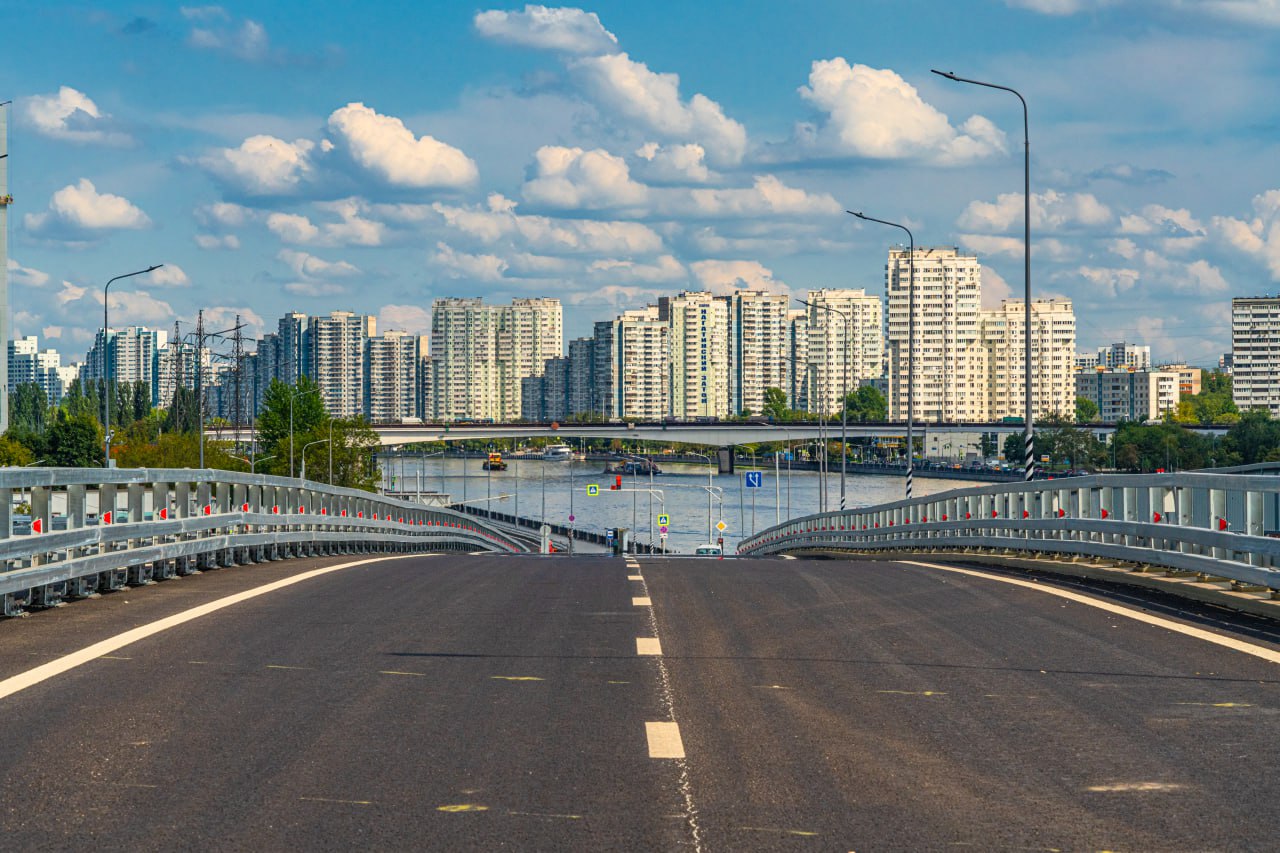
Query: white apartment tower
{"x": 845, "y": 344}
{"x": 29, "y": 365}
{"x": 798, "y": 358}
{"x": 1000, "y": 362}
{"x": 530, "y": 331}
{"x": 335, "y": 347}
{"x": 699, "y": 354}
{"x": 464, "y": 361}
{"x": 392, "y": 362}
{"x": 1255, "y": 352}
{"x": 758, "y": 347}
{"x": 948, "y": 298}
{"x": 631, "y": 355}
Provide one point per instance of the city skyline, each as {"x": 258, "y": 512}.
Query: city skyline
{"x": 294, "y": 162}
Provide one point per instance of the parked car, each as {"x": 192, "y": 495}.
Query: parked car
{"x": 709, "y": 551}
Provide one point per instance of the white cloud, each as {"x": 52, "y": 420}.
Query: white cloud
{"x": 726, "y": 276}
{"x": 25, "y": 276}
{"x": 573, "y": 179}
{"x": 262, "y": 165}
{"x": 169, "y": 275}
{"x": 314, "y": 288}
{"x": 994, "y": 289}
{"x": 350, "y": 229}
{"x": 652, "y": 101}
{"x": 136, "y": 307}
{"x": 664, "y": 269}
{"x": 498, "y": 221}
{"x": 1014, "y": 247}
{"x": 293, "y": 228}
{"x": 217, "y": 241}
{"x": 1059, "y": 7}
{"x": 767, "y": 196}
{"x": 51, "y": 332}
{"x": 1259, "y": 236}
{"x": 224, "y": 317}
{"x": 224, "y": 215}
{"x": 1264, "y": 13}
{"x": 406, "y": 318}
{"x": 78, "y": 212}
{"x": 875, "y": 113}
{"x": 382, "y": 145}
{"x": 204, "y": 13}
{"x": 673, "y": 164}
{"x": 310, "y": 267}
{"x": 71, "y": 115}
{"x": 1112, "y": 282}
{"x": 464, "y": 265}
{"x": 561, "y": 29}
{"x": 1050, "y": 211}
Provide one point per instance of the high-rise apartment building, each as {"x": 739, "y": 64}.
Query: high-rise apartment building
{"x": 530, "y": 331}
{"x": 799, "y": 376}
{"x": 845, "y": 344}
{"x": 1129, "y": 395}
{"x": 758, "y": 347}
{"x": 1190, "y": 379}
{"x": 582, "y": 377}
{"x": 391, "y": 380}
{"x": 334, "y": 359}
{"x": 698, "y": 329}
{"x": 947, "y": 299}
{"x": 1123, "y": 355}
{"x": 1255, "y": 353}
{"x": 291, "y": 352}
{"x": 131, "y": 354}
{"x": 631, "y": 353}
{"x": 29, "y": 365}
{"x": 1000, "y": 365}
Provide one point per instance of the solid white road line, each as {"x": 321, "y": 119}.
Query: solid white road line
{"x": 648, "y": 646}
{"x": 1120, "y": 610}
{"x": 664, "y": 740}
{"x": 642, "y": 601}
{"x": 22, "y": 681}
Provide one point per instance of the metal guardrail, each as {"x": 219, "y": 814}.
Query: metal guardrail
{"x": 151, "y": 524}
{"x": 1213, "y": 524}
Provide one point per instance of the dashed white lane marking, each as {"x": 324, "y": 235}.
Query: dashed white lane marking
{"x": 1137, "y": 615}
{"x": 642, "y": 601}
{"x": 648, "y": 646}
{"x": 22, "y": 681}
{"x": 664, "y": 740}
{"x": 635, "y": 577}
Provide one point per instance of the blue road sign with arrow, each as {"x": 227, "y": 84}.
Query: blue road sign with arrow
{"x": 755, "y": 479}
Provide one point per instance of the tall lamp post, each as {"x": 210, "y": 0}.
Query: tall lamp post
{"x": 1029, "y": 442}
{"x": 303, "y": 472}
{"x": 709, "y": 487}
{"x": 911, "y": 340}
{"x": 292, "y": 397}
{"x": 108, "y": 387}
{"x": 844, "y": 403}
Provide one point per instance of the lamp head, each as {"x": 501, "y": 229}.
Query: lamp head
{"x": 950, "y": 75}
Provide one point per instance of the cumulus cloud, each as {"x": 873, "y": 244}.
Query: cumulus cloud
{"x": 874, "y": 113}
{"x": 137, "y": 308}
{"x": 385, "y": 148}
{"x": 767, "y": 196}
{"x": 724, "y": 277}
{"x": 169, "y": 275}
{"x": 652, "y": 101}
{"x": 1264, "y": 13}
{"x": 310, "y": 267}
{"x": 994, "y": 288}
{"x": 26, "y": 276}
{"x": 1059, "y": 7}
{"x": 463, "y": 265}
{"x": 572, "y": 179}
{"x": 350, "y": 228}
{"x": 497, "y": 221}
{"x": 262, "y": 165}
{"x": 673, "y": 164}
{"x": 1258, "y": 237}
{"x": 71, "y": 115}
{"x": 566, "y": 30}
{"x": 78, "y": 213}
{"x": 1112, "y": 282}
{"x": 225, "y": 215}
{"x": 663, "y": 269}
{"x": 314, "y": 288}
{"x": 1013, "y": 247}
{"x": 211, "y": 242}
{"x": 225, "y": 317}
{"x": 405, "y": 318}
{"x": 1050, "y": 211}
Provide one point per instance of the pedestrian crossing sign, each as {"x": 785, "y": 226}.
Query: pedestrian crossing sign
{"x": 664, "y": 520}
{"x": 593, "y": 490}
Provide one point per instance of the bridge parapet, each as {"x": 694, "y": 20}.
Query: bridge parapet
{"x": 154, "y": 523}
{"x": 1212, "y": 524}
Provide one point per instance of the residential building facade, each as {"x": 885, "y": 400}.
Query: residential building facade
{"x": 1255, "y": 353}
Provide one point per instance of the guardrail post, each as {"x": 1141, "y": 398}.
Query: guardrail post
{"x": 40, "y": 510}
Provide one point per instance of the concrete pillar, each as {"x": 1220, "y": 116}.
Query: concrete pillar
{"x": 135, "y": 492}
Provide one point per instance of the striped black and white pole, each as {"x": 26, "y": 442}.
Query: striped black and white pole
{"x": 1029, "y": 454}
{"x": 910, "y": 473}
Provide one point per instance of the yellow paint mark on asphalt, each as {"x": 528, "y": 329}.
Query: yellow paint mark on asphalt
{"x": 343, "y": 802}
{"x": 113, "y": 657}
{"x": 642, "y": 601}
{"x": 1132, "y": 787}
{"x": 635, "y": 577}
{"x": 664, "y": 740}
{"x": 772, "y": 687}
{"x": 282, "y": 666}
{"x": 462, "y": 807}
{"x": 545, "y": 814}
{"x": 914, "y": 692}
{"x": 394, "y": 672}
{"x": 648, "y": 646}
{"x": 617, "y": 682}
{"x": 1217, "y": 704}
{"x": 515, "y": 678}
{"x": 199, "y": 662}
{"x": 780, "y": 831}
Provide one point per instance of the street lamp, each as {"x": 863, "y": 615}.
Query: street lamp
{"x": 1029, "y": 451}
{"x": 911, "y": 340}
{"x": 303, "y": 473}
{"x": 844, "y": 403}
{"x": 709, "y": 487}
{"x": 294, "y": 396}
{"x": 108, "y": 388}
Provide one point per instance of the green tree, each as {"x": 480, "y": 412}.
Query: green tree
{"x": 866, "y": 404}
{"x": 273, "y": 420}
{"x": 141, "y": 400}
{"x": 28, "y": 408}
{"x": 1086, "y": 410}
{"x": 1013, "y": 448}
{"x": 74, "y": 442}
{"x": 14, "y": 453}
{"x": 775, "y": 405}
{"x": 1254, "y": 437}
{"x": 78, "y": 402}
{"x": 183, "y": 415}
{"x": 1213, "y": 404}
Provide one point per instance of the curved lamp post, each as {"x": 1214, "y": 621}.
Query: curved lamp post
{"x": 294, "y": 396}
{"x": 302, "y": 475}
{"x": 911, "y": 340}
{"x": 844, "y": 402}
{"x": 1029, "y": 445}
{"x": 108, "y": 388}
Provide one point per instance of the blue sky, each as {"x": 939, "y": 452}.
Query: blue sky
{"x": 372, "y": 157}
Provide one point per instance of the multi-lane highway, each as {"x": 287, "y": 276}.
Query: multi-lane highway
{"x": 525, "y": 703}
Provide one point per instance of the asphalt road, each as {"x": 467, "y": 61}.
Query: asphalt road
{"x": 485, "y": 702}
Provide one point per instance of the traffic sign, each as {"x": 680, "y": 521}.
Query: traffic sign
{"x": 662, "y": 528}
{"x": 720, "y": 525}
{"x": 755, "y": 479}
{"x": 593, "y": 490}
{"x": 664, "y": 520}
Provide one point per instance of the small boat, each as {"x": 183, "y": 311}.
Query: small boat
{"x": 495, "y": 463}
{"x": 643, "y": 467}
{"x": 557, "y": 453}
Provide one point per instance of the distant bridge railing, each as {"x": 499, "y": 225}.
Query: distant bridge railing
{"x": 93, "y": 530}
{"x": 1214, "y": 524}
